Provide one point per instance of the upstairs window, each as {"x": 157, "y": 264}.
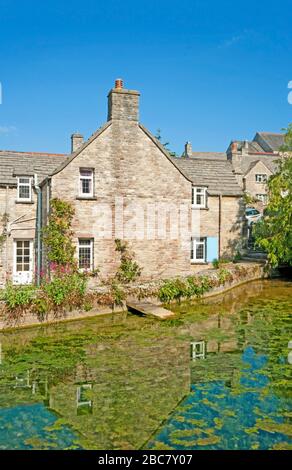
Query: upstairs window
{"x": 198, "y": 197}
{"x": 261, "y": 178}
{"x": 85, "y": 254}
{"x": 86, "y": 182}
{"x": 24, "y": 189}
{"x": 198, "y": 250}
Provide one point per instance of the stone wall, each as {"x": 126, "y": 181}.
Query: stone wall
{"x": 21, "y": 224}
{"x": 131, "y": 174}
{"x": 252, "y": 187}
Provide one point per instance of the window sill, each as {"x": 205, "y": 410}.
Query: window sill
{"x": 200, "y": 208}
{"x": 200, "y": 263}
{"x": 86, "y": 198}
{"x": 19, "y": 201}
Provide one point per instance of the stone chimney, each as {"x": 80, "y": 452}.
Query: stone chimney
{"x": 188, "y": 150}
{"x": 76, "y": 141}
{"x": 244, "y": 148}
{"x": 123, "y": 104}
{"x": 235, "y": 156}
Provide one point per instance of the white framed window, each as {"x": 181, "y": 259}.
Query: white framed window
{"x": 262, "y": 197}
{"x": 198, "y": 196}
{"x": 24, "y": 188}
{"x": 85, "y": 254}
{"x": 198, "y": 250}
{"x": 198, "y": 350}
{"x": 261, "y": 178}
{"x": 86, "y": 182}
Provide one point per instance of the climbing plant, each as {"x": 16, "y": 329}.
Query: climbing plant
{"x": 129, "y": 269}
{"x": 57, "y": 235}
{"x": 4, "y": 223}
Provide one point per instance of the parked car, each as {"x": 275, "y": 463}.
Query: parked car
{"x": 252, "y": 215}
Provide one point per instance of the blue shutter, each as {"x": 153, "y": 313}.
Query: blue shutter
{"x": 212, "y": 249}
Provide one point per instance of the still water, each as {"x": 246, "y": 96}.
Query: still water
{"x": 217, "y": 376}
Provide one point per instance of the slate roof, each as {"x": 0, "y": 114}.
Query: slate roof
{"x": 13, "y": 164}
{"x": 216, "y": 174}
{"x": 248, "y": 161}
{"x": 271, "y": 141}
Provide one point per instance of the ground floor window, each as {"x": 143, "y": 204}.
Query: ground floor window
{"x": 23, "y": 261}
{"x": 198, "y": 250}
{"x": 85, "y": 253}
{"x": 262, "y": 197}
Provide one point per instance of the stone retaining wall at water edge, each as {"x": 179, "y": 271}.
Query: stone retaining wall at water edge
{"x": 241, "y": 273}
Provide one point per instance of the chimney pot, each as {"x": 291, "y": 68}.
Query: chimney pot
{"x": 119, "y": 83}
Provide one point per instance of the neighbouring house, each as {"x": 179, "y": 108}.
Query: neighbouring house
{"x": 20, "y": 173}
{"x": 254, "y": 162}
{"x": 177, "y": 214}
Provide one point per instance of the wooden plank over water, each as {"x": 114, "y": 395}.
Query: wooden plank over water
{"x": 148, "y": 308}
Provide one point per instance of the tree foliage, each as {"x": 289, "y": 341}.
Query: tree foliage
{"x": 274, "y": 232}
{"x": 287, "y": 147}
{"x": 165, "y": 144}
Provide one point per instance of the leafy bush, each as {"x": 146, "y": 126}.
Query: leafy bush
{"x": 172, "y": 289}
{"x": 66, "y": 291}
{"x": 18, "y": 296}
{"x": 218, "y": 262}
{"x": 176, "y": 289}
{"x": 224, "y": 276}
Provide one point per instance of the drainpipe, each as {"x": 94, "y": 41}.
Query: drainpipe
{"x": 220, "y": 223}
{"x": 38, "y": 230}
{"x": 7, "y": 234}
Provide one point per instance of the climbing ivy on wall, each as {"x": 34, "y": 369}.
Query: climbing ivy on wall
{"x": 57, "y": 235}
{"x": 3, "y": 234}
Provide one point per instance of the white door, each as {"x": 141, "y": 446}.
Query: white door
{"x": 23, "y": 262}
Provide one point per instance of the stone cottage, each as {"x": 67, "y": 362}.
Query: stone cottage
{"x": 20, "y": 174}
{"x": 177, "y": 214}
{"x": 253, "y": 162}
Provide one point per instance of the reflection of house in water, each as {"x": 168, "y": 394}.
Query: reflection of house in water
{"x": 123, "y": 390}
{"x": 217, "y": 346}
{"x": 83, "y": 402}
{"x": 120, "y": 389}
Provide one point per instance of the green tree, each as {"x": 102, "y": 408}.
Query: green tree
{"x": 165, "y": 144}
{"x": 274, "y": 232}
{"x": 287, "y": 147}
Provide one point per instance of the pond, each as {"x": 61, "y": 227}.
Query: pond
{"x": 216, "y": 376}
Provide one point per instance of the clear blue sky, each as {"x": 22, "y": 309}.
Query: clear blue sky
{"x": 208, "y": 71}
